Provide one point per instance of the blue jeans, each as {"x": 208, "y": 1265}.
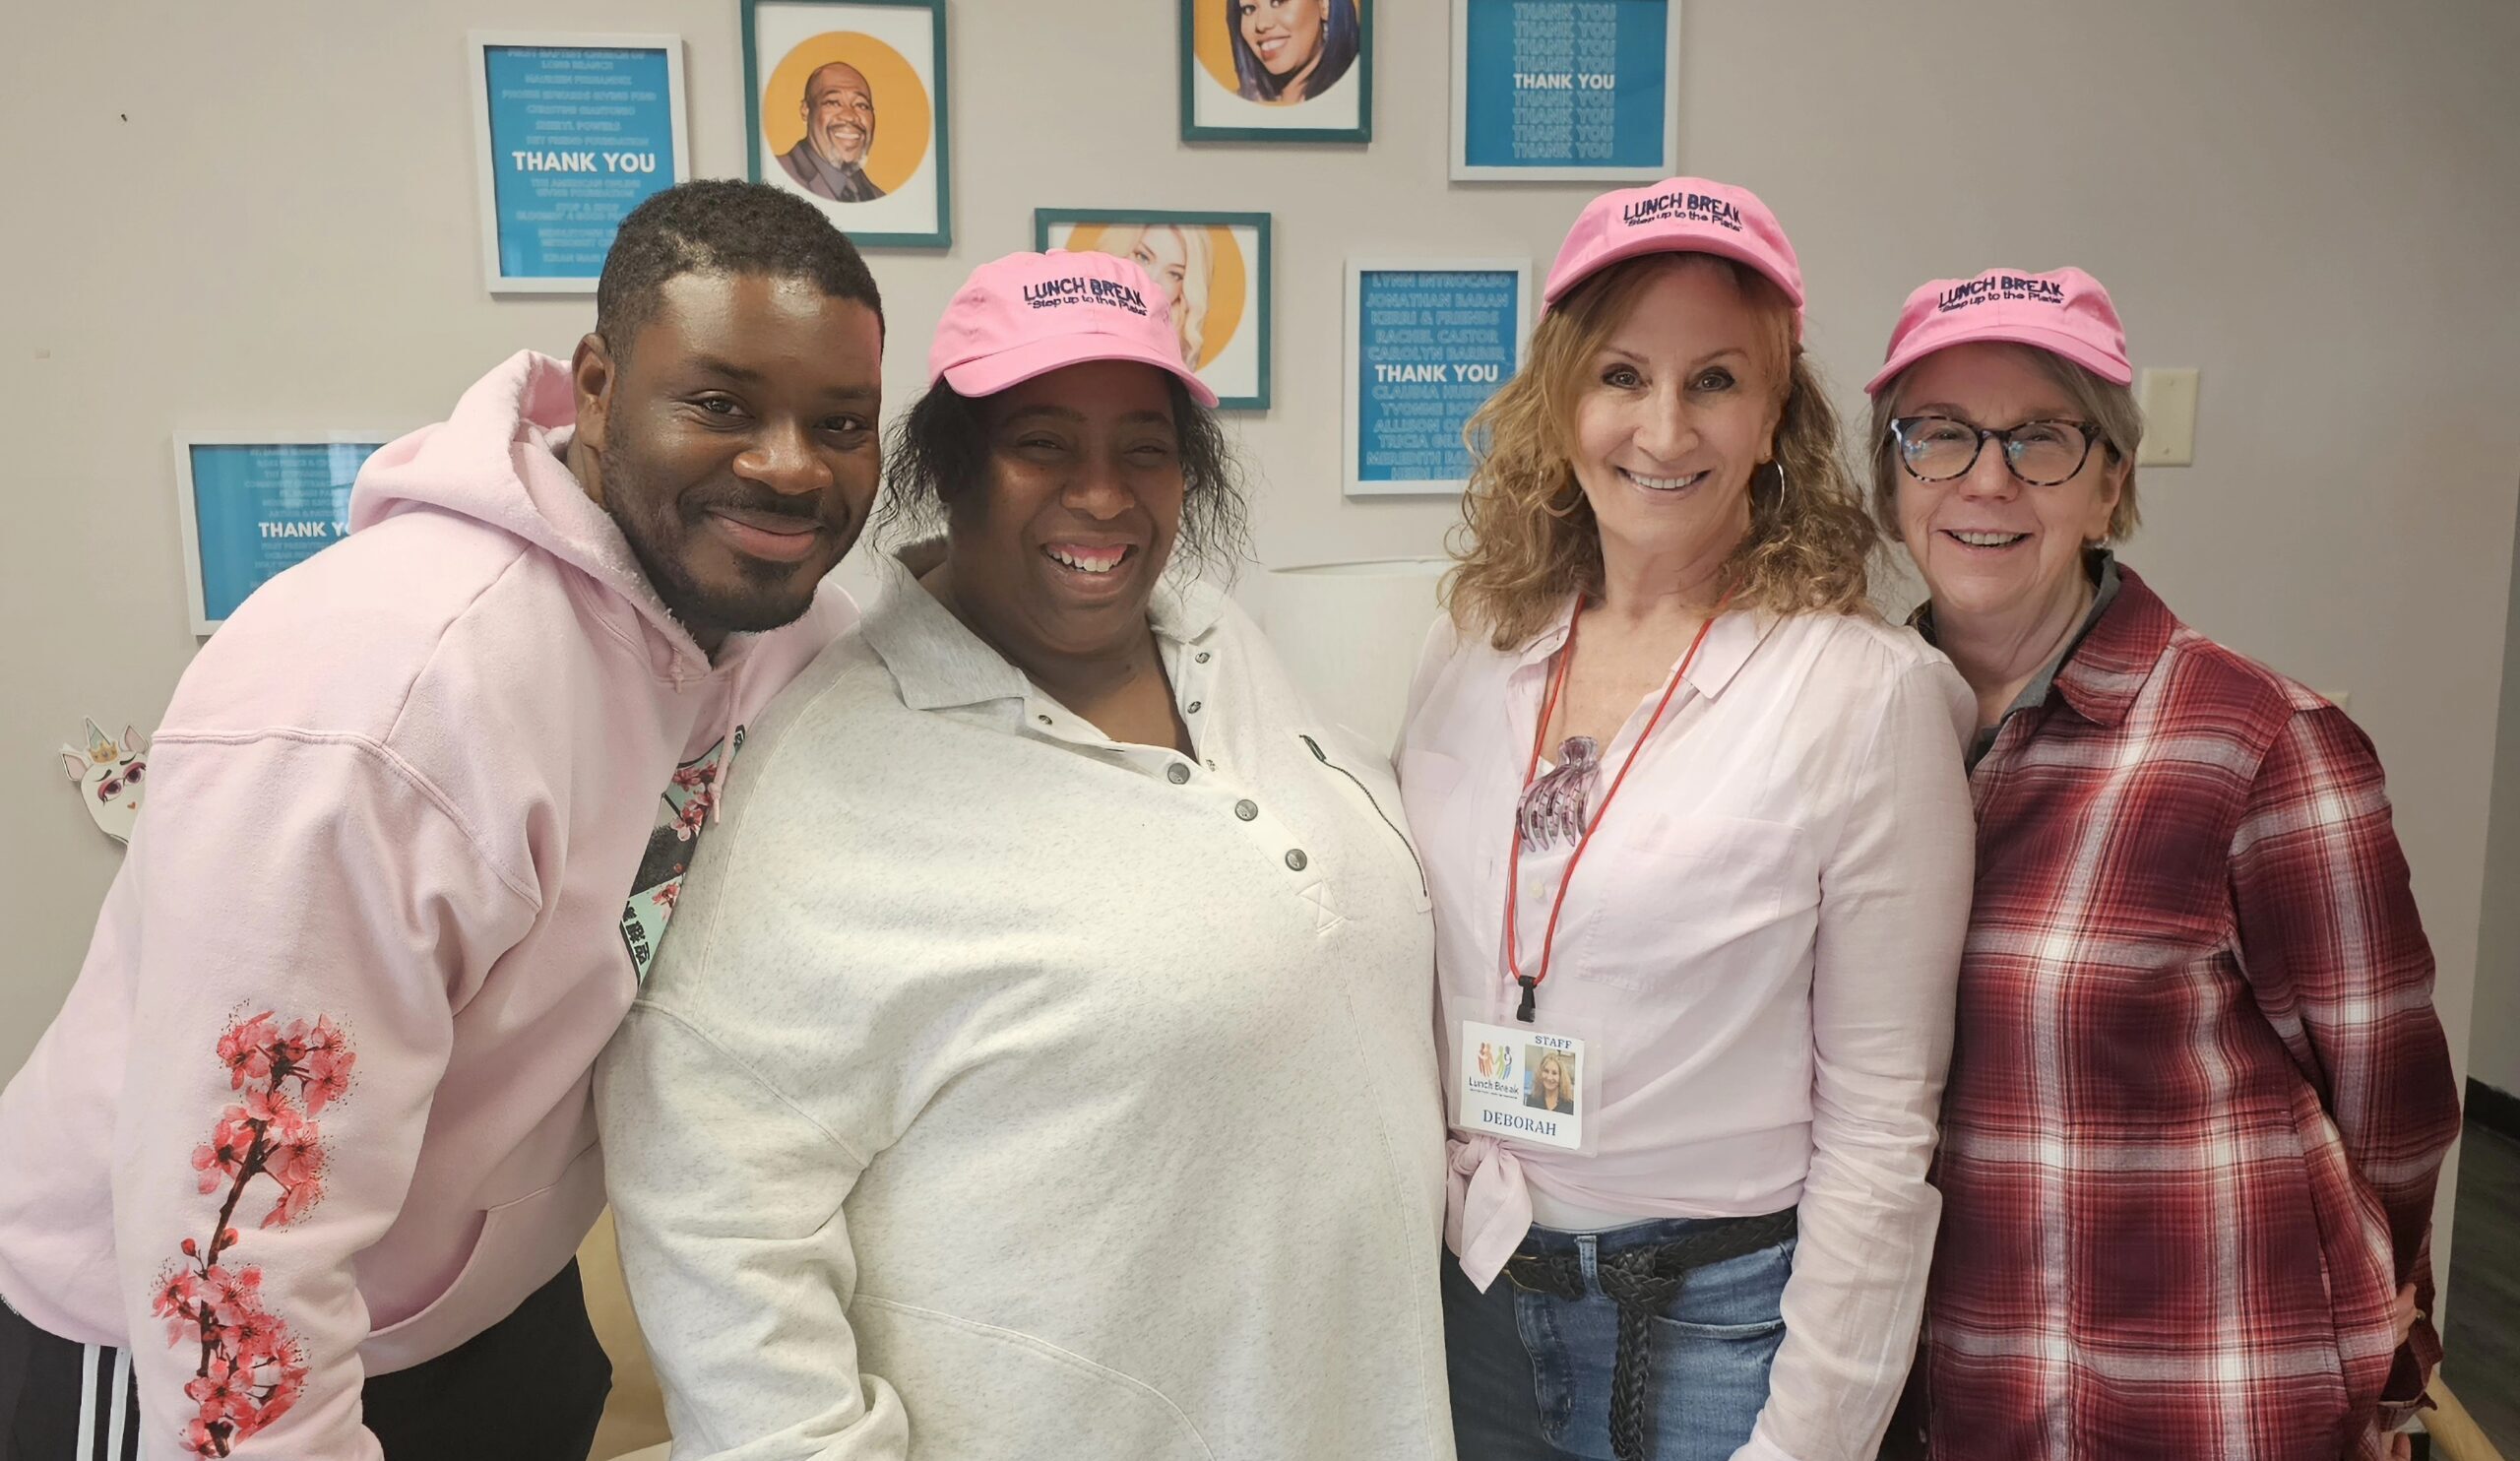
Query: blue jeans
{"x": 1531, "y": 1371}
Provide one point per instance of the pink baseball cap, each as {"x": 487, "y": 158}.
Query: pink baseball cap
{"x": 2066, "y": 313}
{"x": 1030, "y": 314}
{"x": 1677, "y": 216}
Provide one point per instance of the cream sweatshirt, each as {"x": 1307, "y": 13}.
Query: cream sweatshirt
{"x": 1010, "y": 1092}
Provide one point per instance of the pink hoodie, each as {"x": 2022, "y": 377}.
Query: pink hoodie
{"x": 317, "y": 1107}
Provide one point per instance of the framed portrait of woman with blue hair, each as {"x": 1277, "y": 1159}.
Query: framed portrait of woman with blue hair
{"x": 1277, "y": 70}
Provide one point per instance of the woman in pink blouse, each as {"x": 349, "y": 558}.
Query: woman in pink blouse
{"x": 2200, "y": 1098}
{"x": 1698, "y": 834}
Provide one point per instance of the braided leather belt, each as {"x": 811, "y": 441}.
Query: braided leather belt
{"x": 1642, "y": 1281}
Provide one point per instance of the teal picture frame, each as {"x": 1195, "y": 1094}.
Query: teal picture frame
{"x": 1262, "y": 268}
{"x": 1191, "y": 78}
{"x": 940, "y": 115}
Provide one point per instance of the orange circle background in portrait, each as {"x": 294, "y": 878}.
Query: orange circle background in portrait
{"x": 1213, "y": 40}
{"x": 902, "y": 117}
{"x": 1228, "y": 282}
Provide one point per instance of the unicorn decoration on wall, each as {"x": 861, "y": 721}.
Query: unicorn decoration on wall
{"x": 108, "y": 775}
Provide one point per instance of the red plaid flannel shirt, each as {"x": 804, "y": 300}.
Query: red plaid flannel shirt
{"x": 2199, "y": 1096}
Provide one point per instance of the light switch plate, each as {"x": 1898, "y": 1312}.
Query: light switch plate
{"x": 2168, "y": 399}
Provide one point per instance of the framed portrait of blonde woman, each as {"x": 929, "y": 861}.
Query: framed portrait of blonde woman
{"x": 1213, "y": 272}
{"x": 1278, "y": 70}
{"x": 845, "y": 104}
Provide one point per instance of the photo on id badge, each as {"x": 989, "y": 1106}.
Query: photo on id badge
{"x": 1518, "y": 1083}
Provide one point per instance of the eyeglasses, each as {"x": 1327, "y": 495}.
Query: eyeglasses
{"x": 2039, "y": 454}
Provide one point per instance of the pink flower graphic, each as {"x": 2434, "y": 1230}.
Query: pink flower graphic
{"x": 695, "y": 812}
{"x": 252, "y": 1369}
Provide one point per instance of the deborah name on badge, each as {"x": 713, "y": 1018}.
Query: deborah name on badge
{"x": 1517, "y": 1083}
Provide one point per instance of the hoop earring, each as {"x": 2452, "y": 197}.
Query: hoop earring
{"x": 1777, "y": 464}
{"x": 1573, "y": 501}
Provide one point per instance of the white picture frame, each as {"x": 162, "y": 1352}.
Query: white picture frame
{"x": 211, "y": 581}
{"x": 521, "y": 255}
{"x": 1360, "y": 424}
{"x": 898, "y": 54}
{"x": 1666, "y": 164}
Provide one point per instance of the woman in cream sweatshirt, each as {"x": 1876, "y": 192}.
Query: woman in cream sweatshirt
{"x": 999, "y": 1095}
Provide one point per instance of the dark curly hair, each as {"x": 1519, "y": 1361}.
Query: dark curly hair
{"x": 938, "y": 449}
{"x": 720, "y": 225}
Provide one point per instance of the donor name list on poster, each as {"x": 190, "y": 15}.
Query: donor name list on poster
{"x": 259, "y": 510}
{"x": 1555, "y": 84}
{"x": 579, "y": 137}
{"x": 1433, "y": 346}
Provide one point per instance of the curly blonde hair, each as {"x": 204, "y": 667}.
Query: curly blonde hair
{"x": 1527, "y": 540}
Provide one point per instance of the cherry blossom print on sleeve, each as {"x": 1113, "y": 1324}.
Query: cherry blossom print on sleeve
{"x": 252, "y": 1368}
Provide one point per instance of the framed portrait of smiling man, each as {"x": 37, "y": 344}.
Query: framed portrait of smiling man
{"x": 1213, "y": 269}
{"x": 1278, "y": 70}
{"x": 846, "y": 104}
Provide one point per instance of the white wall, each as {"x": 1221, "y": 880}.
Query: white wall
{"x": 263, "y": 216}
{"x": 2494, "y": 1051}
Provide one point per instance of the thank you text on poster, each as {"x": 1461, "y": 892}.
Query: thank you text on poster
{"x": 1433, "y": 346}
{"x": 261, "y": 509}
{"x": 1566, "y": 84}
{"x": 579, "y": 136}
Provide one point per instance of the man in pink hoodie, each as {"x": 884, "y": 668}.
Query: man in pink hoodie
{"x": 299, "y": 1170}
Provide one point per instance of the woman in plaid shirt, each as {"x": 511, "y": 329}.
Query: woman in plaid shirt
{"x": 2199, "y": 1096}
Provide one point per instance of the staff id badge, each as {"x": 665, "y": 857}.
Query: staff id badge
{"x": 1522, "y": 1083}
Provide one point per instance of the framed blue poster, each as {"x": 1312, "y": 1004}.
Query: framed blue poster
{"x": 1214, "y": 271}
{"x": 846, "y": 104}
{"x": 1426, "y": 343}
{"x": 255, "y": 506}
{"x": 571, "y": 133}
{"x": 1553, "y": 91}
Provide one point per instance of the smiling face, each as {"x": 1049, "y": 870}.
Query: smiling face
{"x": 1552, "y": 1077}
{"x": 840, "y": 114}
{"x": 1057, "y": 553}
{"x": 1286, "y": 34}
{"x": 734, "y": 443}
{"x": 1990, "y": 547}
{"x": 1679, "y": 408}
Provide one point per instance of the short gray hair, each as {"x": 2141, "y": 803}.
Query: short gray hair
{"x": 2104, "y": 403}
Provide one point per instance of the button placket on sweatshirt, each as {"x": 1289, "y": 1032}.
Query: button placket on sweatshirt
{"x": 1207, "y": 775}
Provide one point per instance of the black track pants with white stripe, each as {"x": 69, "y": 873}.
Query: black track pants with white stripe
{"x": 528, "y": 1388}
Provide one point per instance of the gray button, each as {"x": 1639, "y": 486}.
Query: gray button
{"x": 1296, "y": 859}
{"x": 1204, "y": 656}
{"x": 1246, "y": 809}
{"x": 1176, "y": 773}
{"x": 1194, "y": 705}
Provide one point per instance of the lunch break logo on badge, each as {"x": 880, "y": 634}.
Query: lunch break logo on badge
{"x": 1079, "y": 288}
{"x": 1996, "y": 286}
{"x": 1695, "y": 207}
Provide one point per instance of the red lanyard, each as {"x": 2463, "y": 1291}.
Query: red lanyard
{"x": 1540, "y": 737}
